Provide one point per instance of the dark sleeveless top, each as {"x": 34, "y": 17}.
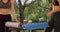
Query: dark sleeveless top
{"x": 5, "y": 5}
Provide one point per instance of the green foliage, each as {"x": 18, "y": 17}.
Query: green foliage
{"x": 36, "y": 11}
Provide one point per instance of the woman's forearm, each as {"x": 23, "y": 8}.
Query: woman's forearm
{"x": 50, "y": 13}
{"x": 14, "y": 15}
{"x": 13, "y": 10}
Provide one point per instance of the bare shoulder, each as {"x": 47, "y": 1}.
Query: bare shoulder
{"x": 12, "y": 3}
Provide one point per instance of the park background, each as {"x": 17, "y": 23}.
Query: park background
{"x": 36, "y": 12}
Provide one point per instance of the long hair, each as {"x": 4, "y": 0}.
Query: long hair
{"x": 55, "y": 2}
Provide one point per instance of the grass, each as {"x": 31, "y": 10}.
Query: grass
{"x": 30, "y": 31}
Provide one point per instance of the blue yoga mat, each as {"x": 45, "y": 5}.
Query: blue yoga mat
{"x": 34, "y": 26}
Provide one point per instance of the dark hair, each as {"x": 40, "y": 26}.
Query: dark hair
{"x": 56, "y": 2}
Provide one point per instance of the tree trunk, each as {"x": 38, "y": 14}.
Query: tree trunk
{"x": 21, "y": 9}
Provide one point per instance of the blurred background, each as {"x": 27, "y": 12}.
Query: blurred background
{"x": 36, "y": 11}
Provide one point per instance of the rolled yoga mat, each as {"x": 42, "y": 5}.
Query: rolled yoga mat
{"x": 12, "y": 24}
{"x": 34, "y": 26}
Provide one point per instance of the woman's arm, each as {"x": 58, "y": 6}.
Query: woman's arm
{"x": 50, "y": 13}
{"x": 13, "y": 10}
{"x": 51, "y": 8}
{"x": 54, "y": 10}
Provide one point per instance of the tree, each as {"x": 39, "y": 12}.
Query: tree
{"x": 22, "y": 5}
{"x": 37, "y": 10}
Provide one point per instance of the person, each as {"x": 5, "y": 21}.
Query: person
{"x": 6, "y": 6}
{"x": 55, "y": 17}
{"x": 50, "y": 23}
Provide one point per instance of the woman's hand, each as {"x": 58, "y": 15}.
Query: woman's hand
{"x": 17, "y": 21}
{"x": 50, "y": 13}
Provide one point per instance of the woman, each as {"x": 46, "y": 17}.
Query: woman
{"x": 6, "y": 6}
{"x": 55, "y": 13}
{"x": 51, "y": 22}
